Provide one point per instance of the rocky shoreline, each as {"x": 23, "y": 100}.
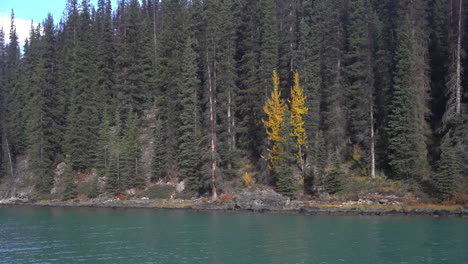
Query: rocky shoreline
{"x": 278, "y": 205}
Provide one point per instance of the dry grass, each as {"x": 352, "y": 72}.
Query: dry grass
{"x": 365, "y": 207}
{"x": 172, "y": 204}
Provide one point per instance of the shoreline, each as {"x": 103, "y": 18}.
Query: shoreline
{"x": 294, "y": 208}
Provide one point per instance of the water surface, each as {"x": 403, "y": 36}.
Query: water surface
{"x": 66, "y": 235}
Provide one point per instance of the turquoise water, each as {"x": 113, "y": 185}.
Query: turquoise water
{"x": 60, "y": 235}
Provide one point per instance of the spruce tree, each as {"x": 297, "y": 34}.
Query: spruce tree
{"x": 15, "y": 97}
{"x": 157, "y": 163}
{"x": 359, "y": 74}
{"x": 447, "y": 175}
{"x": 284, "y": 171}
{"x": 2, "y": 102}
{"x": 44, "y": 123}
{"x": 406, "y": 126}
{"x": 83, "y": 117}
{"x": 269, "y": 45}
{"x": 188, "y": 146}
{"x": 131, "y": 153}
{"x": 170, "y": 50}
{"x": 309, "y": 63}
{"x": 248, "y": 51}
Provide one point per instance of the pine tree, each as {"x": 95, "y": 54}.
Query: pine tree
{"x": 14, "y": 95}
{"x": 406, "y": 120}
{"x": 284, "y": 171}
{"x": 189, "y": 152}
{"x": 83, "y": 117}
{"x": 274, "y": 108}
{"x": 309, "y": 63}
{"x": 359, "y": 74}
{"x": 134, "y": 63}
{"x": 105, "y": 141}
{"x": 269, "y": 45}
{"x": 298, "y": 110}
{"x": 248, "y": 51}
{"x": 105, "y": 57}
{"x": 2, "y": 102}
{"x": 333, "y": 179}
{"x": 70, "y": 191}
{"x": 157, "y": 163}
{"x": 131, "y": 153}
{"x": 45, "y": 115}
{"x": 447, "y": 175}
{"x": 220, "y": 40}
{"x": 170, "y": 52}
{"x": 288, "y": 15}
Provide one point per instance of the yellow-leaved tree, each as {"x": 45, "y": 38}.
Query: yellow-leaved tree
{"x": 274, "y": 108}
{"x": 298, "y": 110}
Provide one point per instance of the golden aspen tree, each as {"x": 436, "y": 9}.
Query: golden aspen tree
{"x": 298, "y": 110}
{"x": 274, "y": 108}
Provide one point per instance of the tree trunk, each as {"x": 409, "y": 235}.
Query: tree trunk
{"x": 372, "y": 146}
{"x": 458, "y": 63}
{"x": 212, "y": 103}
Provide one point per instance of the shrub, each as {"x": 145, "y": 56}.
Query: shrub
{"x": 160, "y": 191}
{"x": 121, "y": 196}
{"x": 186, "y": 195}
{"x": 224, "y": 198}
{"x": 247, "y": 179}
{"x": 89, "y": 188}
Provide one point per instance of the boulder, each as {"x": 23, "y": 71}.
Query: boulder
{"x": 260, "y": 200}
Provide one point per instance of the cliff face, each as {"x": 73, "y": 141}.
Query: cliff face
{"x": 21, "y": 183}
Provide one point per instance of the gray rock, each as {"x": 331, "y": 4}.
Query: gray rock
{"x": 383, "y": 201}
{"x": 259, "y": 200}
{"x": 324, "y": 195}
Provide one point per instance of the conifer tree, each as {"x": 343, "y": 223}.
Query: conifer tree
{"x": 2, "y": 102}
{"x": 359, "y": 74}
{"x": 189, "y": 153}
{"x": 248, "y": 51}
{"x": 407, "y": 153}
{"x": 284, "y": 171}
{"x": 14, "y": 95}
{"x": 309, "y": 63}
{"x": 83, "y": 117}
{"x": 170, "y": 50}
{"x": 131, "y": 153}
{"x": 447, "y": 175}
{"x": 219, "y": 60}
{"x": 298, "y": 110}
{"x": 157, "y": 163}
{"x": 45, "y": 116}
{"x": 274, "y": 108}
{"x": 105, "y": 57}
{"x": 269, "y": 42}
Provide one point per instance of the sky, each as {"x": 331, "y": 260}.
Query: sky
{"x": 27, "y": 10}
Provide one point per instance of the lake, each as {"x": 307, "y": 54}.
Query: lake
{"x": 68, "y": 235}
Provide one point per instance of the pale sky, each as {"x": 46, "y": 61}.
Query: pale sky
{"x": 28, "y": 10}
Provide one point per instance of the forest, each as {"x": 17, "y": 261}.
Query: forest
{"x": 300, "y": 95}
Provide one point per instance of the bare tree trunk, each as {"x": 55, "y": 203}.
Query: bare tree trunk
{"x": 230, "y": 139}
{"x": 372, "y": 146}
{"x": 155, "y": 39}
{"x": 212, "y": 102}
{"x": 10, "y": 159}
{"x": 458, "y": 62}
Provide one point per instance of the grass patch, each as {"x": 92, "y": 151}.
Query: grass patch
{"x": 159, "y": 192}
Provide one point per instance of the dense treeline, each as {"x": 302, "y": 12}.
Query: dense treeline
{"x": 383, "y": 80}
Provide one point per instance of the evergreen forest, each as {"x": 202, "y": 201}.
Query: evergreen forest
{"x": 303, "y": 96}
